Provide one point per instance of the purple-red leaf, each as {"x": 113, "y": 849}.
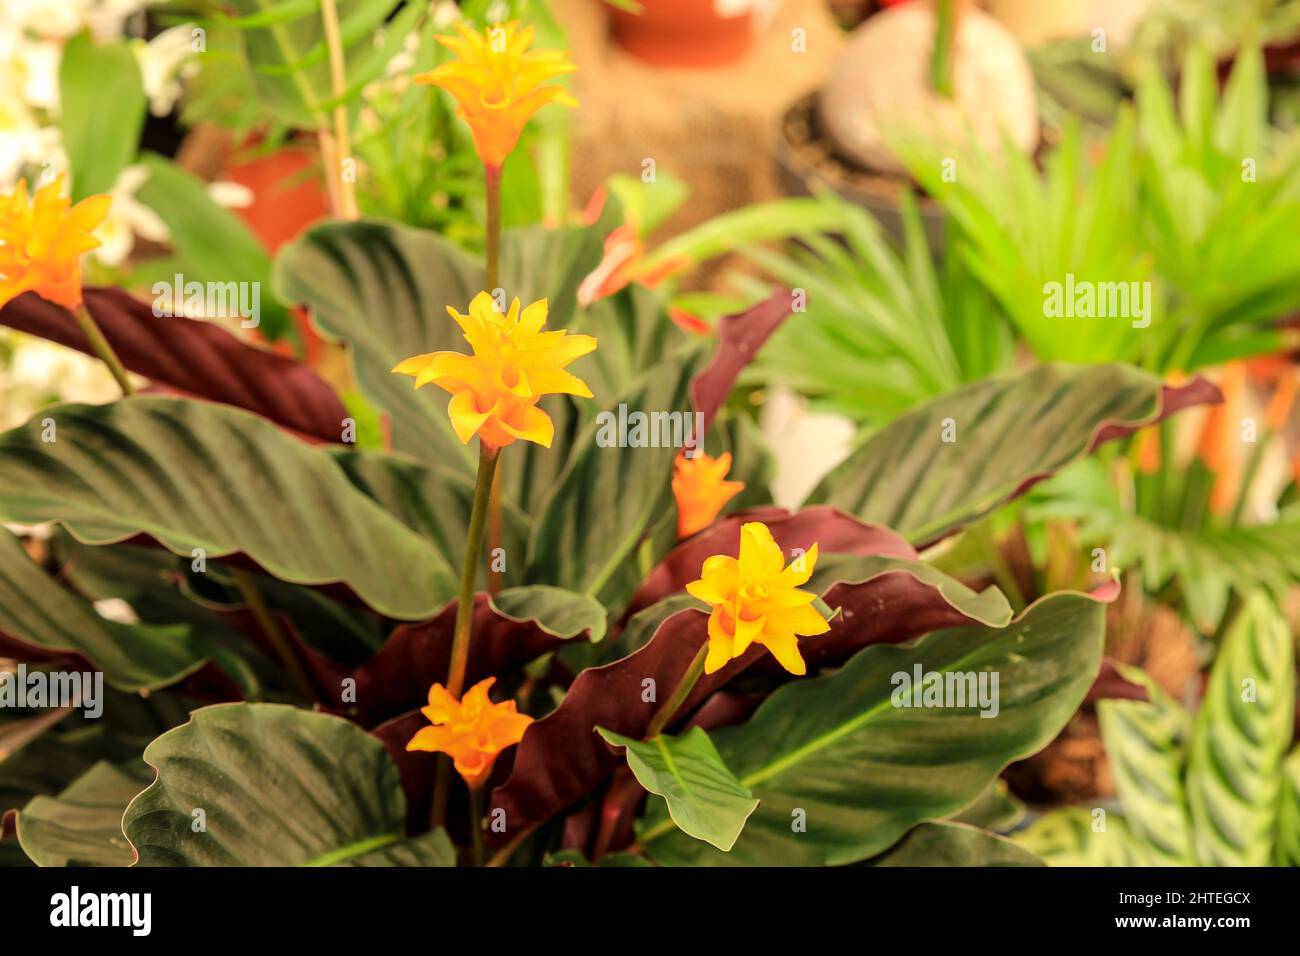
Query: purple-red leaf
{"x": 416, "y": 656}
{"x": 830, "y": 529}
{"x": 740, "y": 336}
{"x": 192, "y": 357}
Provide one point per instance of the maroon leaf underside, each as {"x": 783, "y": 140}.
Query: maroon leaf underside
{"x": 831, "y": 530}
{"x": 1112, "y": 685}
{"x": 192, "y": 357}
{"x": 1173, "y": 399}
{"x": 396, "y": 680}
{"x": 561, "y": 759}
{"x": 209, "y": 683}
{"x": 740, "y": 336}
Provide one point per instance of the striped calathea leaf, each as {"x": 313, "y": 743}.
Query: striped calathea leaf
{"x": 1235, "y": 775}
{"x": 947, "y": 463}
{"x": 211, "y": 480}
{"x": 328, "y": 795}
{"x": 1214, "y": 789}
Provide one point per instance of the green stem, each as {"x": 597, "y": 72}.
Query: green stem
{"x": 266, "y": 621}
{"x": 941, "y": 54}
{"x": 487, "y": 464}
{"x": 441, "y": 792}
{"x": 476, "y": 824}
{"x": 1248, "y": 475}
{"x": 90, "y": 329}
{"x": 502, "y": 856}
{"x": 679, "y": 695}
{"x": 492, "y": 178}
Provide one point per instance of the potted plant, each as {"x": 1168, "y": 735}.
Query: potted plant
{"x": 690, "y": 33}
{"x": 934, "y": 67}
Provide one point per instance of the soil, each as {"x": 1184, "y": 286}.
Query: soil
{"x": 813, "y": 150}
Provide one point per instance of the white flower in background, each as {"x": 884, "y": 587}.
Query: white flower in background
{"x": 29, "y": 69}
{"x": 107, "y": 18}
{"x": 127, "y": 219}
{"x": 230, "y": 195}
{"x": 164, "y": 60}
{"x": 47, "y": 18}
{"x": 24, "y": 143}
{"x": 41, "y": 372}
{"x": 66, "y": 18}
{"x": 404, "y": 61}
{"x": 445, "y": 13}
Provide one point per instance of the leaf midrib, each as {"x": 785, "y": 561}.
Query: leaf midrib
{"x": 355, "y": 849}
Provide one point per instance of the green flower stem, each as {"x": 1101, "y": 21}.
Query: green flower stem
{"x": 1248, "y": 474}
{"x": 247, "y": 585}
{"x": 679, "y": 695}
{"x": 476, "y": 824}
{"x": 90, "y": 328}
{"x": 487, "y": 464}
{"x": 492, "y": 179}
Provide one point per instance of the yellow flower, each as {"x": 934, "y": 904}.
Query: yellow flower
{"x": 42, "y": 241}
{"x": 700, "y": 490}
{"x": 498, "y": 81}
{"x": 472, "y": 730}
{"x": 756, "y": 601}
{"x": 495, "y": 391}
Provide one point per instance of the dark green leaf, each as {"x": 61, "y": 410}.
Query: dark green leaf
{"x": 277, "y": 786}
{"x": 82, "y": 826}
{"x": 198, "y": 475}
{"x": 955, "y": 844}
{"x": 953, "y": 460}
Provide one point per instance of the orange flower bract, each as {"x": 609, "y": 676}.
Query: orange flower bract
{"x": 43, "y": 239}
{"x": 472, "y": 730}
{"x": 701, "y": 490}
{"x": 756, "y": 600}
{"x": 498, "y": 83}
{"x": 495, "y": 391}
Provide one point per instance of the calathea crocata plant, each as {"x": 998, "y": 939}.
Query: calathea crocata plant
{"x": 664, "y": 667}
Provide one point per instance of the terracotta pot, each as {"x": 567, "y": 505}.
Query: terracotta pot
{"x": 685, "y": 32}
{"x": 287, "y": 191}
